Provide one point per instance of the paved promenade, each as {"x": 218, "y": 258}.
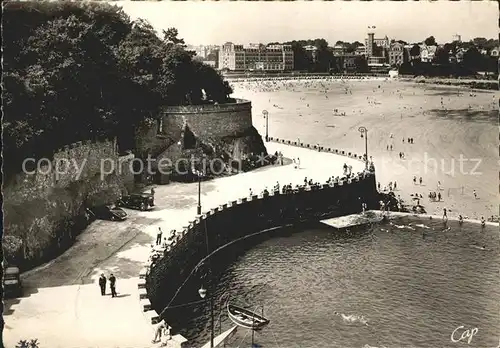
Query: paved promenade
{"x": 63, "y": 306}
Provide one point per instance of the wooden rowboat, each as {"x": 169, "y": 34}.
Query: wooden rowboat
{"x": 246, "y": 318}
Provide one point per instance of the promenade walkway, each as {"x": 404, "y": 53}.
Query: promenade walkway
{"x": 63, "y": 306}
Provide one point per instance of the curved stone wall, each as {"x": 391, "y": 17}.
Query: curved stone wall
{"x": 212, "y": 120}
{"x": 244, "y": 217}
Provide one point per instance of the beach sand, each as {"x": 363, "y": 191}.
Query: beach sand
{"x": 462, "y": 128}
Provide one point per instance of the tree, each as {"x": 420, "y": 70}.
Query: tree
{"x": 441, "y": 56}
{"x": 361, "y": 64}
{"x": 78, "y": 71}
{"x": 430, "y": 41}
{"x": 415, "y": 51}
{"x": 472, "y": 59}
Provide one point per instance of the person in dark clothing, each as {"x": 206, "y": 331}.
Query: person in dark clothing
{"x": 112, "y": 285}
{"x": 102, "y": 284}
{"x": 158, "y": 236}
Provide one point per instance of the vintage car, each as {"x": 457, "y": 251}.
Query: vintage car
{"x": 108, "y": 212}
{"x": 12, "y": 286}
{"x": 141, "y": 201}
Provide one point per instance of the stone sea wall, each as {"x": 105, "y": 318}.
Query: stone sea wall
{"x": 206, "y": 122}
{"x": 236, "y": 219}
{"x": 44, "y": 205}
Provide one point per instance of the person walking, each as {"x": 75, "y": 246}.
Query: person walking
{"x": 414, "y": 180}
{"x": 159, "y": 330}
{"x": 102, "y": 284}
{"x": 112, "y": 285}
{"x": 158, "y": 236}
{"x": 439, "y": 196}
{"x": 420, "y": 180}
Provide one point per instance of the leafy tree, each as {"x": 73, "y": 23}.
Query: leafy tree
{"x": 415, "y": 51}
{"x": 361, "y": 64}
{"x": 77, "y": 71}
{"x": 441, "y": 56}
{"x": 472, "y": 59}
{"x": 430, "y": 41}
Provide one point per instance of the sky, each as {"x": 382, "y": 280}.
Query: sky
{"x": 246, "y": 22}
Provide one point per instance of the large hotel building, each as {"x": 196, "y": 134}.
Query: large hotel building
{"x": 255, "y": 57}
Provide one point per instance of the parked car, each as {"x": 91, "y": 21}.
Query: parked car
{"x": 141, "y": 201}
{"x": 12, "y": 286}
{"x": 108, "y": 212}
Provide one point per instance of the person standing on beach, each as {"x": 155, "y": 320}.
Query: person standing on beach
{"x": 474, "y": 193}
{"x": 395, "y": 186}
{"x": 420, "y": 180}
{"x": 445, "y": 217}
{"x": 483, "y": 222}
{"x": 158, "y": 236}
{"x": 414, "y": 180}
{"x": 439, "y": 196}
{"x": 102, "y": 284}
{"x": 112, "y": 285}
{"x": 378, "y": 185}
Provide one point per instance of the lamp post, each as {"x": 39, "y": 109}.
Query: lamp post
{"x": 203, "y": 293}
{"x": 198, "y": 173}
{"x": 364, "y": 132}
{"x": 266, "y": 116}
{"x": 198, "y": 208}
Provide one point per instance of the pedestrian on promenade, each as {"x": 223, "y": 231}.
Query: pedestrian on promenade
{"x": 102, "y": 284}
{"x": 159, "y": 330}
{"x": 158, "y": 236}
{"x": 439, "y": 196}
{"x": 112, "y": 285}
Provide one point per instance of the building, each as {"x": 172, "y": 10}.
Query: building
{"x": 345, "y": 63}
{"x": 371, "y": 40}
{"x": 370, "y": 43}
{"x": 360, "y": 51}
{"x": 427, "y": 53}
{"x": 375, "y": 60}
{"x": 255, "y": 57}
{"x": 339, "y": 50}
{"x": 396, "y": 54}
{"x": 456, "y": 37}
{"x": 311, "y": 52}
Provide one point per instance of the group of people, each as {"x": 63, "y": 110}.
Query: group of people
{"x": 433, "y": 196}
{"x": 391, "y": 187}
{"x": 112, "y": 284}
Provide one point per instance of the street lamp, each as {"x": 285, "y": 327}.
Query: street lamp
{"x": 203, "y": 293}
{"x": 266, "y": 116}
{"x": 200, "y": 174}
{"x": 364, "y": 132}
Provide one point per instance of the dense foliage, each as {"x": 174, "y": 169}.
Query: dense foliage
{"x": 77, "y": 71}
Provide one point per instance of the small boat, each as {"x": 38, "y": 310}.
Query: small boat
{"x": 246, "y": 318}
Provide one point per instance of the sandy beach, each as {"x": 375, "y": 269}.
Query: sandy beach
{"x": 453, "y": 129}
